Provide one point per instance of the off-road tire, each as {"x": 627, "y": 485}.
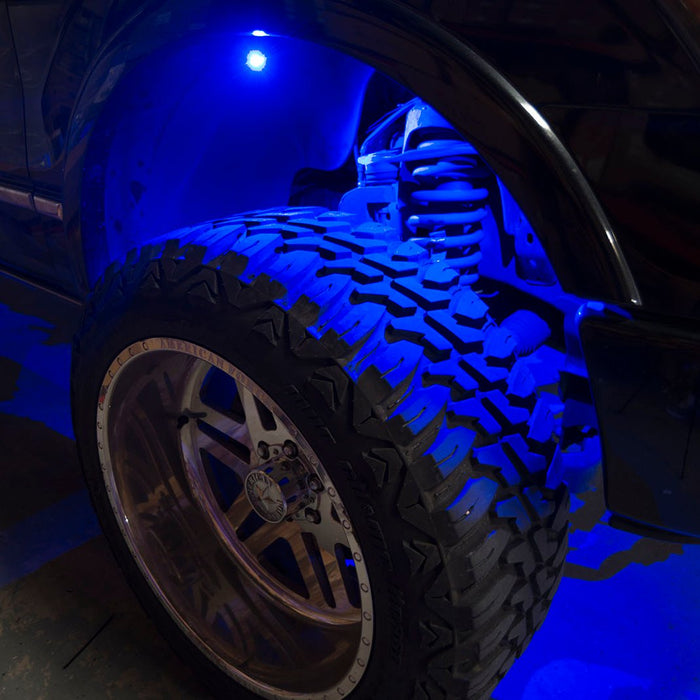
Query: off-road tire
{"x": 436, "y": 436}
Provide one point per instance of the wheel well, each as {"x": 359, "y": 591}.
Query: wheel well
{"x": 192, "y": 133}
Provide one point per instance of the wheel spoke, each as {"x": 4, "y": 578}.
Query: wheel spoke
{"x": 228, "y": 452}
{"x": 328, "y": 532}
{"x": 314, "y": 576}
{"x": 218, "y": 433}
{"x": 337, "y": 583}
{"x": 240, "y": 509}
{"x": 223, "y": 422}
{"x": 264, "y": 536}
{"x": 262, "y": 425}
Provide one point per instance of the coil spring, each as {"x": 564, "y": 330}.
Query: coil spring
{"x": 447, "y": 217}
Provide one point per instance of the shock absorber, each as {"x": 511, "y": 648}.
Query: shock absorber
{"x": 424, "y": 183}
{"x": 442, "y": 206}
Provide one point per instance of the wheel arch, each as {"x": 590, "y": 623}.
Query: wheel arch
{"x": 401, "y": 43}
{"x": 188, "y": 133}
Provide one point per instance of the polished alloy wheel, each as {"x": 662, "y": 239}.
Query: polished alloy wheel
{"x": 233, "y": 521}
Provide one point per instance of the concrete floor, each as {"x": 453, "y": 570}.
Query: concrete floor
{"x": 624, "y": 624}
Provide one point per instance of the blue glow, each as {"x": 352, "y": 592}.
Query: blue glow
{"x": 256, "y": 60}
{"x": 259, "y": 32}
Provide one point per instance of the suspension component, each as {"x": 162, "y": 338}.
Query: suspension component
{"x": 442, "y": 206}
{"x": 417, "y": 175}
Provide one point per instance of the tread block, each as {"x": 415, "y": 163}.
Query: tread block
{"x": 437, "y": 347}
{"x": 544, "y": 578}
{"x": 175, "y": 271}
{"x": 440, "y": 277}
{"x": 381, "y": 293}
{"x": 328, "y": 293}
{"x": 252, "y": 222}
{"x": 426, "y": 437}
{"x": 332, "y": 383}
{"x": 411, "y": 508}
{"x": 258, "y": 249}
{"x": 473, "y": 409}
{"x": 451, "y": 449}
{"x": 428, "y": 299}
{"x": 499, "y": 343}
{"x": 493, "y": 598}
{"x": 470, "y": 506}
{"x": 363, "y": 246}
{"x": 327, "y": 250}
{"x": 270, "y": 324}
{"x": 541, "y": 422}
{"x": 233, "y": 264}
{"x": 514, "y": 508}
{"x": 410, "y": 251}
{"x": 543, "y": 506}
{"x": 288, "y": 231}
{"x": 469, "y": 564}
{"x": 285, "y": 213}
{"x": 358, "y": 321}
{"x": 494, "y": 637}
{"x": 395, "y": 361}
{"x": 449, "y": 373}
{"x": 151, "y": 282}
{"x": 299, "y": 267}
{"x": 475, "y": 365}
{"x": 464, "y": 338}
{"x": 434, "y": 635}
{"x": 222, "y": 234}
{"x": 494, "y": 456}
{"x": 430, "y": 552}
{"x": 265, "y": 228}
{"x": 518, "y": 632}
{"x": 370, "y": 229}
{"x": 419, "y": 408}
{"x": 521, "y": 381}
{"x": 391, "y": 268}
{"x": 498, "y": 404}
{"x": 385, "y": 463}
{"x": 546, "y": 363}
{"x": 469, "y": 309}
{"x": 316, "y": 225}
{"x": 203, "y": 290}
{"x": 301, "y": 342}
{"x": 519, "y": 452}
{"x": 361, "y": 273}
{"x": 415, "y": 558}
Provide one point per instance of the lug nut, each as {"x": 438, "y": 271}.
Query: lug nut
{"x": 263, "y": 450}
{"x": 312, "y": 516}
{"x": 290, "y": 449}
{"x": 315, "y": 484}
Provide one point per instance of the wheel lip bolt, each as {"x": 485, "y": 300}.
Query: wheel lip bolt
{"x": 315, "y": 483}
{"x": 263, "y": 450}
{"x": 290, "y": 449}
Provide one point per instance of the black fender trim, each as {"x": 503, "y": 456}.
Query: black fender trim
{"x": 645, "y": 379}
{"x": 642, "y": 530}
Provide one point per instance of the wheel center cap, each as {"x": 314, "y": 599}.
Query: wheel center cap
{"x": 265, "y": 496}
